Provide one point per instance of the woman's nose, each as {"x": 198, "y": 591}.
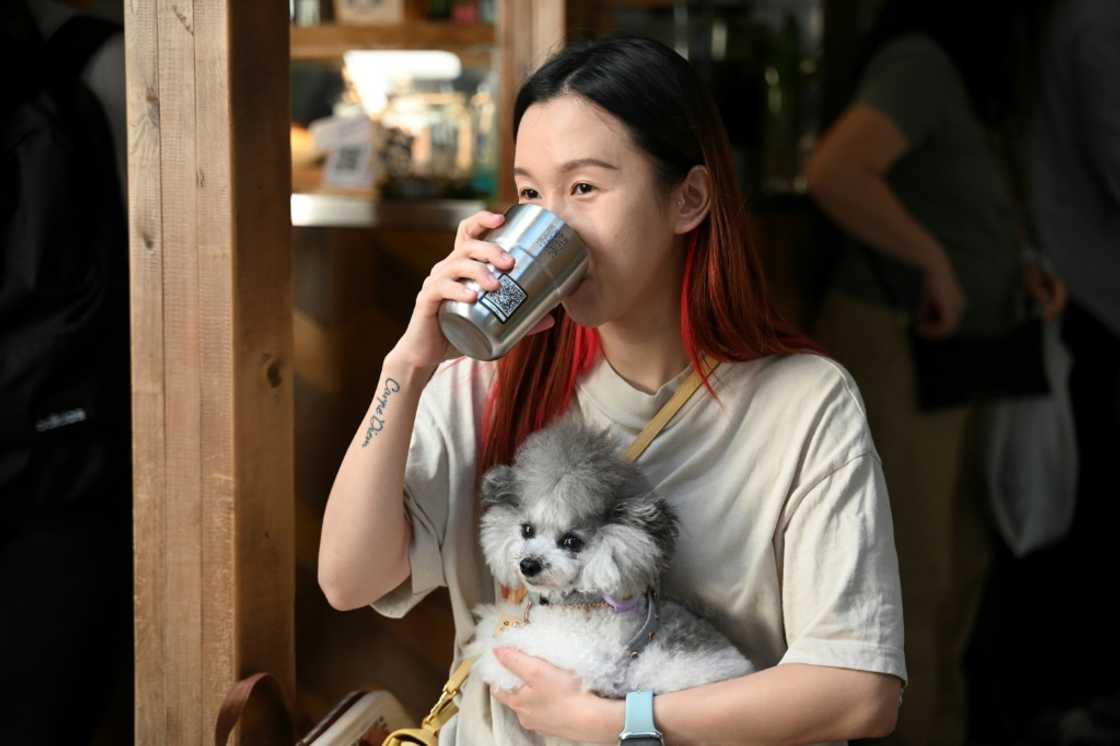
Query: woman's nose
{"x": 557, "y": 206}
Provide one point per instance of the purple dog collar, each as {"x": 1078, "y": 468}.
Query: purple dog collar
{"x": 646, "y": 631}
{"x": 621, "y": 607}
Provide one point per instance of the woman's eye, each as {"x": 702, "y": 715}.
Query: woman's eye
{"x": 583, "y": 188}
{"x": 571, "y": 542}
{"x": 527, "y": 531}
{"x": 529, "y": 193}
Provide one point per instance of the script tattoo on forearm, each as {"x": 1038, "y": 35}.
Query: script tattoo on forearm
{"x": 376, "y": 421}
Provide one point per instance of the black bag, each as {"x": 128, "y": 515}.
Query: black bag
{"x": 961, "y": 369}
{"x": 966, "y": 368}
{"x": 64, "y": 326}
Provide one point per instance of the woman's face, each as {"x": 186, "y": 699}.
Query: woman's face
{"x": 575, "y": 159}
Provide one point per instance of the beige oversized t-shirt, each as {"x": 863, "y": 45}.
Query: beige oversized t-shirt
{"x": 785, "y": 528}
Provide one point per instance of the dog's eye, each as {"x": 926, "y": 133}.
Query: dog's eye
{"x": 527, "y": 531}
{"x": 571, "y": 542}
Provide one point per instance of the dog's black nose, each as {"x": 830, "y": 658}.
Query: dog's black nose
{"x": 530, "y": 567}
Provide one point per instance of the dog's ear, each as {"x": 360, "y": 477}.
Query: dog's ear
{"x": 499, "y": 487}
{"x": 652, "y": 516}
{"x": 634, "y": 546}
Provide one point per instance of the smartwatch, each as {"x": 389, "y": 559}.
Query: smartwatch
{"x": 638, "y": 729}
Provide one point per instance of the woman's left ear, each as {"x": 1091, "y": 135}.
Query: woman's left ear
{"x": 692, "y": 199}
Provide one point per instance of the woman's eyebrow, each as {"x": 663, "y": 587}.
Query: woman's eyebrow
{"x": 572, "y": 166}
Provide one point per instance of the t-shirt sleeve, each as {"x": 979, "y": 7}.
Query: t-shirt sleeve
{"x": 841, "y": 599}
{"x": 841, "y": 596}
{"x": 910, "y": 81}
{"x": 427, "y": 482}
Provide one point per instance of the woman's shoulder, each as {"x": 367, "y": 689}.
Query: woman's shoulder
{"x": 810, "y": 400}
{"x": 802, "y": 378}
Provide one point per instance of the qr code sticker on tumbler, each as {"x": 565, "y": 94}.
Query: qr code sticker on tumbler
{"x": 505, "y": 300}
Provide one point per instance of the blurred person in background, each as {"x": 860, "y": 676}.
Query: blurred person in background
{"x": 1057, "y": 597}
{"x": 65, "y": 443}
{"x": 913, "y": 172}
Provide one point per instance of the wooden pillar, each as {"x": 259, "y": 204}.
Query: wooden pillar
{"x": 529, "y": 32}
{"x": 209, "y": 175}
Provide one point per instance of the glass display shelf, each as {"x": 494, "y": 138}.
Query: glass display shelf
{"x": 341, "y": 211}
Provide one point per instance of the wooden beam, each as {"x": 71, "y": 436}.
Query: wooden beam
{"x": 208, "y": 109}
{"x": 528, "y": 33}
{"x": 330, "y": 41}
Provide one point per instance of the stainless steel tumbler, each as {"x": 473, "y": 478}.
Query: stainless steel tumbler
{"x": 550, "y": 260}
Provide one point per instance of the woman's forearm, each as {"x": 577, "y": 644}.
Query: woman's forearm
{"x": 363, "y": 551}
{"x": 862, "y": 202}
{"x": 787, "y": 704}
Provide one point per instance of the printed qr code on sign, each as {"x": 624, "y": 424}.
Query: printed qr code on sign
{"x": 505, "y": 300}
{"x": 349, "y": 158}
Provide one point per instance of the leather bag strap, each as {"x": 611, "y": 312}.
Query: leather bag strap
{"x": 237, "y": 699}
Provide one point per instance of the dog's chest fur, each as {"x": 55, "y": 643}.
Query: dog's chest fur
{"x": 685, "y": 652}
{"x": 589, "y": 641}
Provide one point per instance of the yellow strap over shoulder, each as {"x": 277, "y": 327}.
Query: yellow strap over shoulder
{"x": 670, "y": 408}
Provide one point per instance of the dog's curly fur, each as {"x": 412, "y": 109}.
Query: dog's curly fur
{"x": 586, "y": 525}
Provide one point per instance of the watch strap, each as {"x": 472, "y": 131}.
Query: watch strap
{"x": 639, "y": 729}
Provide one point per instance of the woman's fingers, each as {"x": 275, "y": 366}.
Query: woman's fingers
{"x": 423, "y": 341}
{"x": 438, "y": 289}
{"x": 476, "y": 225}
{"x": 484, "y": 251}
{"x": 469, "y": 269}
{"x": 471, "y": 255}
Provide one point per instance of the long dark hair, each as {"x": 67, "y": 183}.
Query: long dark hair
{"x": 726, "y": 310}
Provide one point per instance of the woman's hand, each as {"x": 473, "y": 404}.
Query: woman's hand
{"x": 942, "y": 302}
{"x": 1045, "y": 288}
{"x": 553, "y": 702}
{"x": 423, "y": 344}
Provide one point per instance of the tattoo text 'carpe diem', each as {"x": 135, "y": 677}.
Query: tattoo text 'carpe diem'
{"x": 377, "y": 422}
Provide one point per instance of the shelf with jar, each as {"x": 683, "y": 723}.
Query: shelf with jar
{"x": 414, "y": 143}
{"x": 415, "y": 124}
